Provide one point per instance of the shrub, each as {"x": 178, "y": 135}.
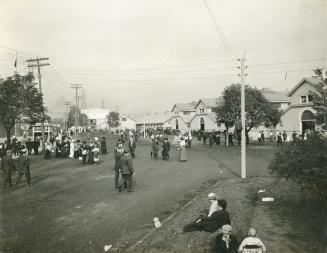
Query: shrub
{"x": 305, "y": 162}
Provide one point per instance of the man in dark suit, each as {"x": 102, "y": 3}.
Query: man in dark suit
{"x": 29, "y": 146}
{"x": 118, "y": 153}
{"x": 213, "y": 223}
{"x": 7, "y": 166}
{"x": 132, "y": 146}
{"x": 23, "y": 167}
{"x": 127, "y": 171}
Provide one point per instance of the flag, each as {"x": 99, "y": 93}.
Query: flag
{"x": 15, "y": 64}
{"x": 285, "y": 75}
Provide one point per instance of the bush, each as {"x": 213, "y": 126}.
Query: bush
{"x": 305, "y": 162}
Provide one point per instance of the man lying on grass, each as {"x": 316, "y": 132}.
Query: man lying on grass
{"x": 211, "y": 223}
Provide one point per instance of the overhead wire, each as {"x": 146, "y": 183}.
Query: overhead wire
{"x": 289, "y": 62}
{"x": 221, "y": 35}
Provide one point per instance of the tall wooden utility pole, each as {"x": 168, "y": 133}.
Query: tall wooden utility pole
{"x": 76, "y": 87}
{"x": 67, "y": 104}
{"x": 38, "y": 62}
{"x": 243, "y": 160}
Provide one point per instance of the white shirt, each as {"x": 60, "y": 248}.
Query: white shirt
{"x": 252, "y": 241}
{"x": 213, "y": 208}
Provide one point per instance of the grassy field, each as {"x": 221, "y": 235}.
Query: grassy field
{"x": 286, "y": 225}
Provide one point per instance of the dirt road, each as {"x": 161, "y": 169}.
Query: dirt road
{"x": 75, "y": 208}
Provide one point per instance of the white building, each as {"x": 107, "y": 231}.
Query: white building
{"x": 97, "y": 117}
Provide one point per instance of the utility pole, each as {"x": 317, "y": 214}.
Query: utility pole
{"x": 67, "y": 104}
{"x": 39, "y": 62}
{"x": 76, "y": 87}
{"x": 102, "y": 103}
{"x": 243, "y": 160}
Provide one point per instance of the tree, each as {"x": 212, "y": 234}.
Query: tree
{"x": 113, "y": 119}
{"x": 82, "y": 119}
{"x": 304, "y": 162}
{"x": 20, "y": 101}
{"x": 258, "y": 110}
{"x": 320, "y": 100}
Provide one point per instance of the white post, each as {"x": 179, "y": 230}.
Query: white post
{"x": 243, "y": 160}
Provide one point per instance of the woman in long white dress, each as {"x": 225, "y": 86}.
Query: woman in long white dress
{"x": 182, "y": 150}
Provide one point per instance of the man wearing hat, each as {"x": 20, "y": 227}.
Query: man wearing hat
{"x": 118, "y": 153}
{"x": 7, "y": 166}
{"x": 132, "y": 146}
{"x": 23, "y": 167}
{"x": 127, "y": 171}
{"x": 213, "y": 222}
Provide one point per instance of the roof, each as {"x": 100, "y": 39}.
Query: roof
{"x": 310, "y": 80}
{"x": 157, "y": 118}
{"x": 210, "y": 102}
{"x": 185, "y": 107}
{"x": 276, "y": 96}
{"x": 96, "y": 113}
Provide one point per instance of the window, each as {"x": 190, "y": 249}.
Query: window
{"x": 176, "y": 113}
{"x": 303, "y": 99}
{"x": 310, "y": 98}
{"x": 123, "y": 119}
{"x": 201, "y": 110}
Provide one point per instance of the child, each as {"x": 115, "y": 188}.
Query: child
{"x": 96, "y": 152}
{"x": 252, "y": 243}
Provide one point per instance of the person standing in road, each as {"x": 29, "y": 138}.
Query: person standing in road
{"x": 7, "y": 166}
{"x": 118, "y": 153}
{"x": 23, "y": 168}
{"x": 279, "y": 139}
{"x": 103, "y": 146}
{"x": 284, "y": 136}
{"x": 182, "y": 151}
{"x": 165, "y": 149}
{"x": 132, "y": 146}
{"x": 127, "y": 171}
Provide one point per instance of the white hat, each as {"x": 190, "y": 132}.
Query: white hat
{"x": 213, "y": 196}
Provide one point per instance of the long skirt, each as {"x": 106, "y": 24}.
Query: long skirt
{"x": 182, "y": 155}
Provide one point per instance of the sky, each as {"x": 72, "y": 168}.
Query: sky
{"x": 145, "y": 55}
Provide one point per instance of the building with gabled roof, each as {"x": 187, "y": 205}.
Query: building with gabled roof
{"x": 300, "y": 114}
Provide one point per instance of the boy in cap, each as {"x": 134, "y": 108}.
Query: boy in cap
{"x": 252, "y": 242}
{"x": 23, "y": 167}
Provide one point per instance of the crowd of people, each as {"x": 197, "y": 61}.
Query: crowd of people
{"x": 217, "y": 219}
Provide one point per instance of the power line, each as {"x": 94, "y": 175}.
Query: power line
{"x": 221, "y": 35}
{"x": 160, "y": 79}
{"x": 18, "y": 51}
{"x": 154, "y": 68}
{"x": 282, "y": 71}
{"x": 290, "y": 62}
{"x": 176, "y": 72}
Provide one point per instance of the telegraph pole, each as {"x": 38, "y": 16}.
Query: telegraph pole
{"x": 76, "y": 87}
{"x": 67, "y": 104}
{"x": 243, "y": 160}
{"x": 39, "y": 62}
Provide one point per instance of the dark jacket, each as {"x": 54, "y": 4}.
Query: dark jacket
{"x": 221, "y": 247}
{"x": 23, "y": 164}
{"x": 215, "y": 221}
{"x": 7, "y": 164}
{"x": 126, "y": 165}
{"x": 132, "y": 146}
{"x": 118, "y": 156}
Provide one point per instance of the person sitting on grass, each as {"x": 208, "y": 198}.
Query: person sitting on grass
{"x": 252, "y": 243}
{"x": 225, "y": 241}
{"x": 211, "y": 223}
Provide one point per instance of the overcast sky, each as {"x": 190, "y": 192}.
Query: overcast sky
{"x": 146, "y": 55}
